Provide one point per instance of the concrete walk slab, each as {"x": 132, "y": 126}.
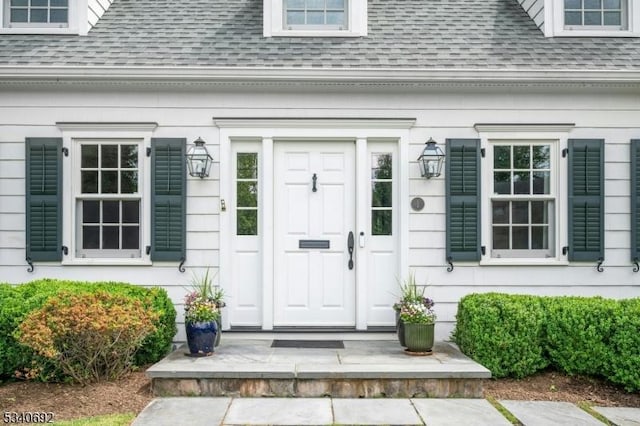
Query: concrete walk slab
{"x": 279, "y": 411}
{"x": 375, "y": 412}
{"x": 543, "y": 413}
{"x": 196, "y": 411}
{"x": 183, "y": 411}
{"x": 455, "y": 412}
{"x": 621, "y": 416}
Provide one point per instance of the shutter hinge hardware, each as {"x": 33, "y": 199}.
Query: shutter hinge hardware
{"x": 565, "y": 152}
{"x": 565, "y": 250}
{"x": 65, "y": 250}
{"x": 483, "y": 250}
{"x": 148, "y": 152}
{"x": 65, "y": 151}
{"x": 181, "y": 265}
{"x": 599, "y": 265}
{"x": 449, "y": 261}
{"x": 483, "y": 152}
{"x": 148, "y": 250}
{"x": 30, "y": 262}
{"x": 636, "y": 267}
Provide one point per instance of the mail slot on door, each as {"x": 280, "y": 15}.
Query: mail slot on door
{"x": 313, "y": 244}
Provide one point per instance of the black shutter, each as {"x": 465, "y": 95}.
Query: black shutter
{"x": 635, "y": 200}
{"x": 43, "y": 199}
{"x": 463, "y": 199}
{"x": 168, "y": 199}
{"x": 586, "y": 199}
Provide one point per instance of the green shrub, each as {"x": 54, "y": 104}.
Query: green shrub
{"x": 514, "y": 335}
{"x": 90, "y": 337}
{"x": 502, "y": 332}
{"x": 578, "y": 333}
{"x": 625, "y": 346}
{"x": 19, "y": 301}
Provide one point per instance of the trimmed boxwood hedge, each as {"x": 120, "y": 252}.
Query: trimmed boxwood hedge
{"x": 502, "y": 332}
{"x": 517, "y": 335}
{"x": 16, "y": 302}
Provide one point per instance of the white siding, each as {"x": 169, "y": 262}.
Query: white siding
{"x": 535, "y": 9}
{"x": 96, "y": 10}
{"x": 441, "y": 113}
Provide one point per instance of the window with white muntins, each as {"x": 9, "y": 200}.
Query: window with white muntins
{"x": 592, "y": 18}
{"x": 108, "y": 200}
{"x": 522, "y": 200}
{"x": 596, "y": 14}
{"x": 41, "y": 13}
{"x": 315, "y": 14}
{"x": 315, "y": 18}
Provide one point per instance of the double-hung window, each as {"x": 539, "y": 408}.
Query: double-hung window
{"x": 105, "y": 194}
{"x": 522, "y": 200}
{"x": 108, "y": 202}
{"x": 525, "y": 194}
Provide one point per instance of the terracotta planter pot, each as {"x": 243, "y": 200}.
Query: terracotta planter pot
{"x": 419, "y": 337}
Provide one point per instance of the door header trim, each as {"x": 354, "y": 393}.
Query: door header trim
{"x": 329, "y": 122}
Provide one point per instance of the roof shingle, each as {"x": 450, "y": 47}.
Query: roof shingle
{"x": 410, "y": 34}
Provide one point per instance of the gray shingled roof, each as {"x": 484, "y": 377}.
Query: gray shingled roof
{"x": 413, "y": 34}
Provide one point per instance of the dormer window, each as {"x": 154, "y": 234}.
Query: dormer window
{"x": 38, "y": 13}
{"x": 316, "y": 14}
{"x": 595, "y": 14}
{"x": 315, "y": 18}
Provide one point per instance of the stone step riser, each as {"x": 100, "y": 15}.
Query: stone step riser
{"x": 330, "y": 387}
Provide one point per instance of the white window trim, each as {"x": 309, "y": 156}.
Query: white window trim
{"x": 557, "y": 136}
{"x": 554, "y": 22}
{"x": 72, "y": 135}
{"x": 78, "y": 21}
{"x": 273, "y": 15}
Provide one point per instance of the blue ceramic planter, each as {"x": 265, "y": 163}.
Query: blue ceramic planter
{"x": 201, "y": 337}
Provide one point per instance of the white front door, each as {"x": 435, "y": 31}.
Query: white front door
{"x": 314, "y": 212}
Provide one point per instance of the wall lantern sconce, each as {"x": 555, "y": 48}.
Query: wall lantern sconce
{"x": 431, "y": 160}
{"x": 198, "y": 159}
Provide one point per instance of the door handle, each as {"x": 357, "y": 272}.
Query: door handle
{"x": 350, "y": 244}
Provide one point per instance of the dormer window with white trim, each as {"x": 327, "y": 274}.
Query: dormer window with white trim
{"x": 592, "y": 18}
{"x": 43, "y": 17}
{"x": 315, "y": 18}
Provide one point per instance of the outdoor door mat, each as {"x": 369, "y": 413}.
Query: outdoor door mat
{"x": 313, "y": 344}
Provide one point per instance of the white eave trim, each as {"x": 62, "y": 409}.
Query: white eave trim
{"x": 524, "y": 127}
{"x": 346, "y": 75}
{"x": 107, "y": 127}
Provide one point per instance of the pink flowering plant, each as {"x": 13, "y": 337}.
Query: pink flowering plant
{"x": 203, "y": 302}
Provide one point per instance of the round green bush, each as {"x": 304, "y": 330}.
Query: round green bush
{"x": 16, "y": 302}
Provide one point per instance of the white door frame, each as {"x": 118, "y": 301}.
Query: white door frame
{"x": 359, "y": 131}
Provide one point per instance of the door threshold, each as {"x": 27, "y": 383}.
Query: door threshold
{"x": 307, "y": 333}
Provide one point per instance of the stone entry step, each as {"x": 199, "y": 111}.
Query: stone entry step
{"x": 364, "y": 368}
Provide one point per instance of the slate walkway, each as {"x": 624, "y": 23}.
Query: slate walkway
{"x": 195, "y": 411}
